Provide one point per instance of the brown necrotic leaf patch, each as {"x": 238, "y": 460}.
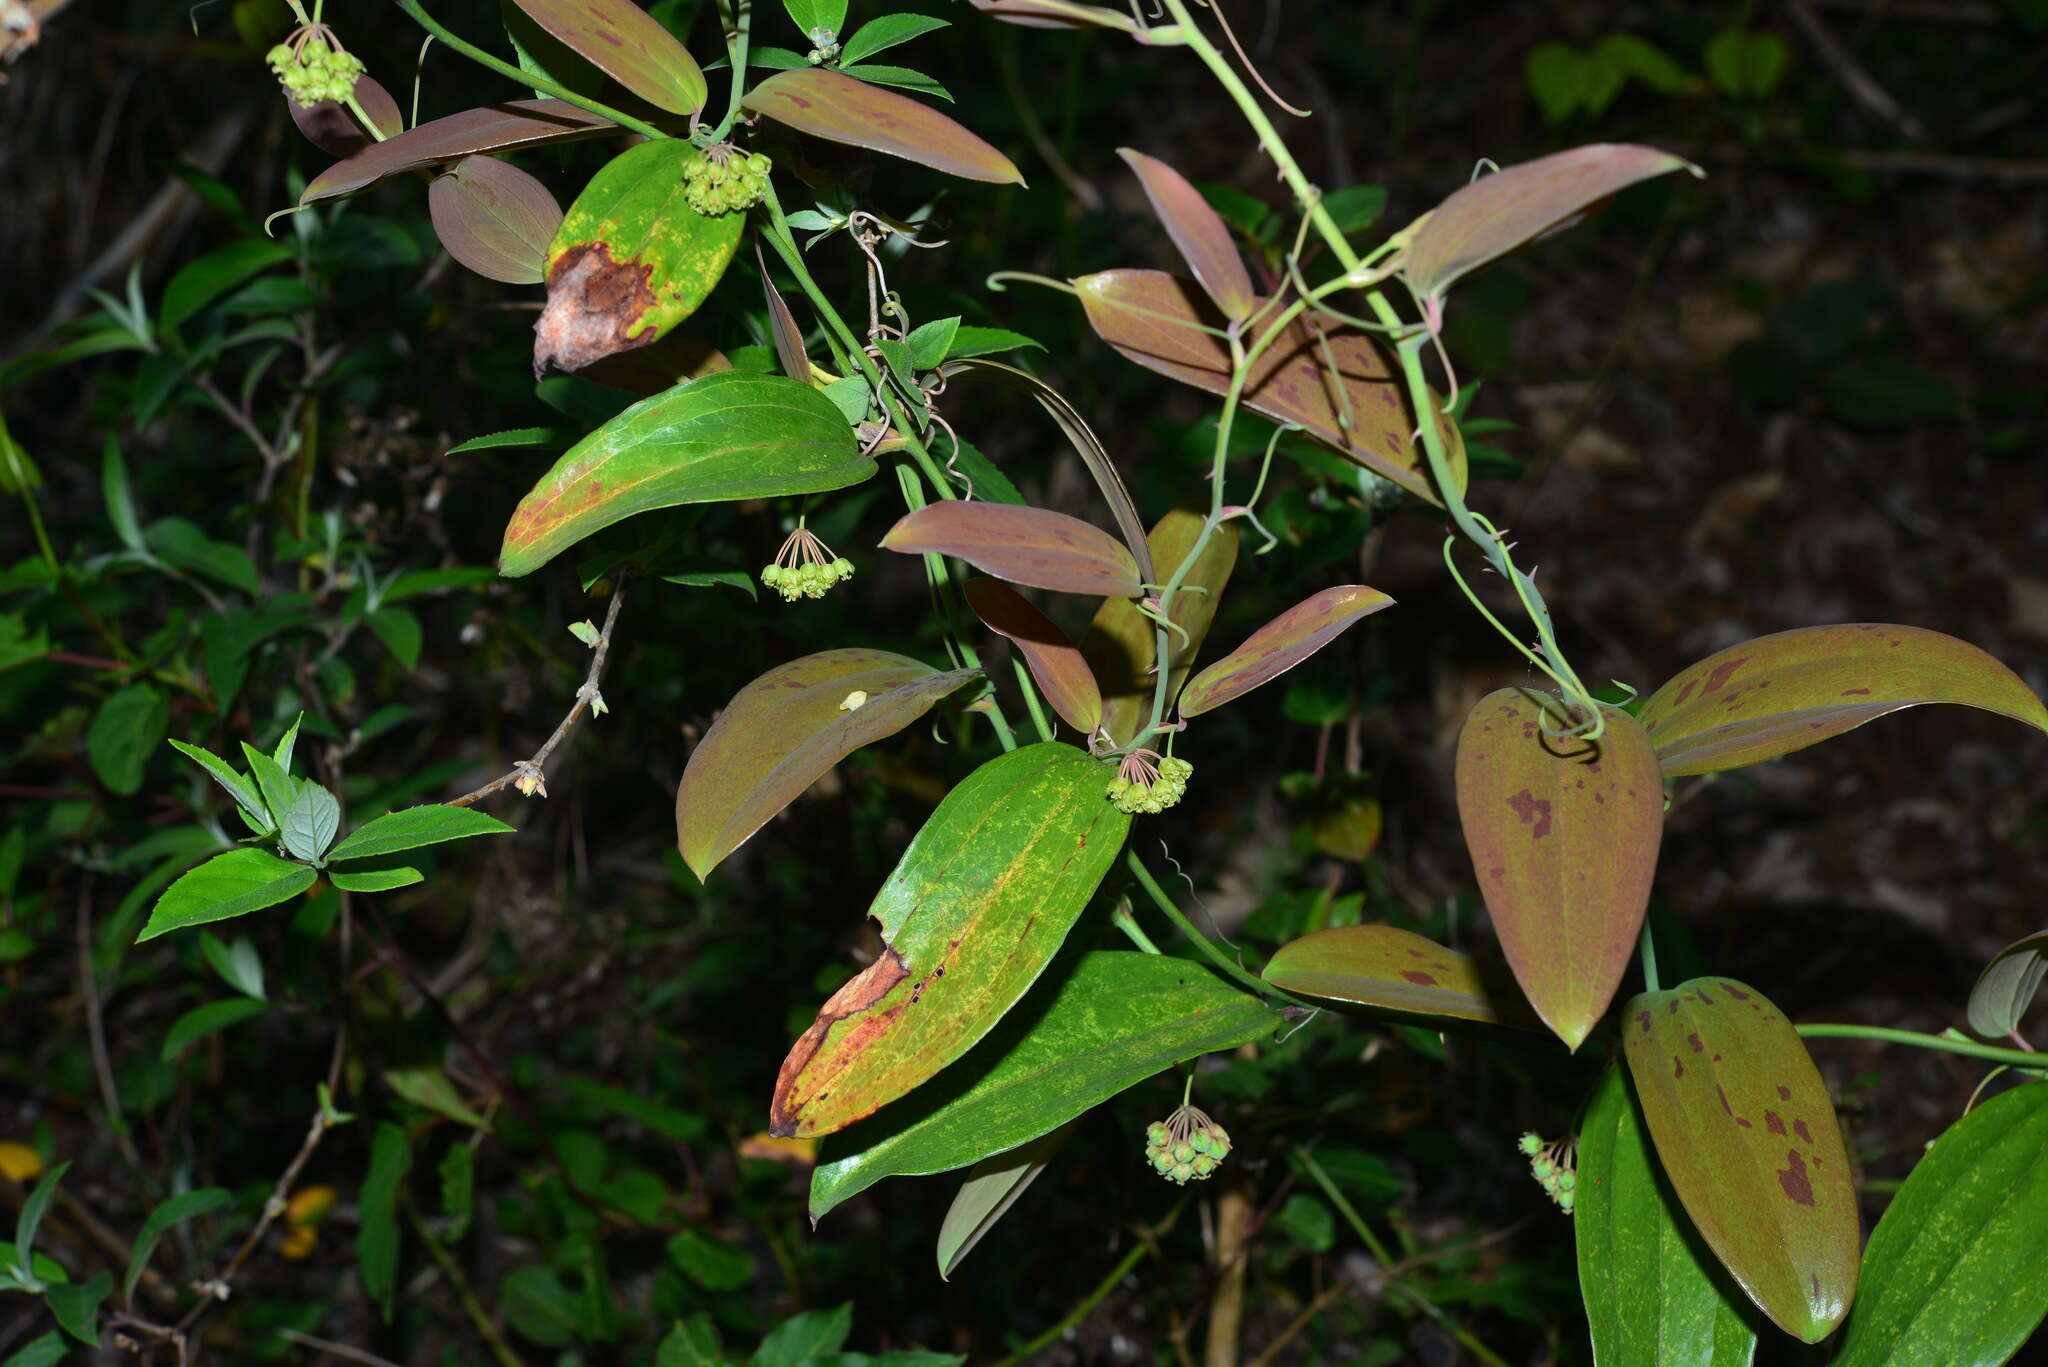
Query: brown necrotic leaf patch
{"x": 594, "y": 305}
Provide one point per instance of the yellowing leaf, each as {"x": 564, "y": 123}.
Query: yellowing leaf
{"x": 1397, "y": 970}
{"x": 838, "y": 108}
{"x": 19, "y": 1162}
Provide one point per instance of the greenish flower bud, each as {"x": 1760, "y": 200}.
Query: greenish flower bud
{"x": 1530, "y": 1144}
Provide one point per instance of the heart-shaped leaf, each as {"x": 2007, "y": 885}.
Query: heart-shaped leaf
{"x": 1115, "y": 1020}
{"x": 631, "y": 259}
{"x": 727, "y": 436}
{"x": 623, "y": 41}
{"x": 781, "y": 733}
{"x": 1563, "y": 836}
{"x": 988, "y": 1193}
{"x": 495, "y": 219}
{"x": 1032, "y": 546}
{"x": 1397, "y": 970}
{"x": 493, "y": 128}
{"x": 1957, "y": 1270}
{"x": 1280, "y": 645}
{"x": 1122, "y": 644}
{"x": 1654, "y": 1295}
{"x": 2006, "y": 987}
{"x": 838, "y": 108}
{"x": 973, "y": 913}
{"x": 1784, "y": 692}
{"x": 1339, "y": 386}
{"x": 332, "y": 127}
{"x": 1198, "y": 231}
{"x": 1497, "y": 213}
{"x": 1746, "y": 1133}
{"x": 1062, "y": 675}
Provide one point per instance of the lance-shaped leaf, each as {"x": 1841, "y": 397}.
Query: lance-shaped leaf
{"x": 1655, "y": 1296}
{"x": 623, "y": 41}
{"x": 1115, "y": 1020}
{"x": 1122, "y": 644}
{"x": 495, "y": 219}
{"x": 1396, "y": 970}
{"x": 988, "y": 1193}
{"x": 973, "y": 913}
{"x": 631, "y": 258}
{"x": 493, "y": 128}
{"x": 1746, "y": 1133}
{"x": 1198, "y": 231}
{"x": 1497, "y": 213}
{"x": 1563, "y": 835}
{"x": 1957, "y": 1270}
{"x": 729, "y": 435}
{"x": 331, "y": 126}
{"x": 789, "y": 334}
{"x": 1784, "y": 692}
{"x": 838, "y": 108}
{"x": 781, "y": 733}
{"x": 1045, "y": 550}
{"x": 1280, "y": 645}
{"x": 1338, "y": 385}
{"x": 1062, "y": 675}
{"x": 2006, "y": 987}
{"x": 1055, "y": 14}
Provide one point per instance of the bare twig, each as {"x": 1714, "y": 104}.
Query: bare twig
{"x": 478, "y": 1316}
{"x": 333, "y": 1349}
{"x": 102, "y": 1064}
{"x": 1861, "y": 85}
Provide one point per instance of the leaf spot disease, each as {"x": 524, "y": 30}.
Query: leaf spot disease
{"x": 1784, "y": 1092}
{"x": 1799, "y": 1128}
{"x": 1533, "y": 811}
{"x": 1420, "y": 979}
{"x": 1792, "y": 1177}
{"x": 1697, "y": 1046}
{"x": 1853, "y": 692}
{"x": 1772, "y": 1123}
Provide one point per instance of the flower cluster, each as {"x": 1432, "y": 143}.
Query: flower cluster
{"x": 1186, "y": 1146}
{"x": 723, "y": 179}
{"x": 1554, "y": 1166}
{"x": 1141, "y": 785}
{"x": 805, "y": 567}
{"x": 313, "y": 67}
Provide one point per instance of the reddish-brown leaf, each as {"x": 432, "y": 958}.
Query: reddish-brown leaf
{"x": 1062, "y": 675}
{"x": 1198, "y": 232}
{"x": 1122, "y": 643}
{"x": 330, "y": 126}
{"x": 1783, "y": 692}
{"x": 623, "y": 41}
{"x": 1280, "y": 645}
{"x": 838, "y": 108}
{"x": 789, "y": 334}
{"x": 495, "y": 219}
{"x": 1746, "y": 1132}
{"x": 1055, "y": 14}
{"x": 493, "y": 128}
{"x": 1343, "y": 389}
{"x": 1045, "y": 550}
{"x": 781, "y": 733}
{"x": 1563, "y": 835}
{"x": 1395, "y": 970}
{"x": 1499, "y": 212}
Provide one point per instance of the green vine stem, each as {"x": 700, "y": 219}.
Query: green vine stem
{"x": 2017, "y": 1058}
{"x": 1229, "y": 966}
{"x": 737, "y": 34}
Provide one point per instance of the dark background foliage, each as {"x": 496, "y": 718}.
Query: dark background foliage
{"x": 1806, "y": 389}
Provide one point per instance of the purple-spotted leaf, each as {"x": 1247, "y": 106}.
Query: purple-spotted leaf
{"x": 783, "y": 731}
{"x": 2006, "y": 987}
{"x": 838, "y": 108}
{"x": 1198, "y": 232}
{"x": 1122, "y": 643}
{"x": 1783, "y": 692}
{"x": 1563, "y": 835}
{"x": 495, "y": 219}
{"x": 1499, "y": 212}
{"x": 623, "y": 41}
{"x": 631, "y": 259}
{"x": 1280, "y": 645}
{"x": 1062, "y": 675}
{"x": 1746, "y": 1133}
{"x": 492, "y": 128}
{"x": 1045, "y": 550}
{"x": 330, "y": 126}
{"x": 1395, "y": 970}
{"x": 976, "y": 908}
{"x": 1055, "y": 14}
{"x": 1339, "y": 385}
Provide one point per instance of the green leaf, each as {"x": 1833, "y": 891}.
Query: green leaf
{"x": 18, "y": 645}
{"x": 309, "y": 825}
{"x": 2006, "y": 987}
{"x": 811, "y": 1334}
{"x": 1055, "y": 664}
{"x": 1307, "y": 1222}
{"x": 884, "y": 32}
{"x": 287, "y": 744}
{"x": 972, "y": 914}
{"x": 46, "y": 1351}
{"x": 413, "y": 827}
{"x": 120, "y": 497}
{"x": 1395, "y": 970}
{"x": 375, "y": 880}
{"x": 377, "y": 1209}
{"x": 1032, "y": 546}
{"x": 1957, "y": 1270}
{"x": 540, "y": 53}
{"x": 842, "y": 109}
{"x": 983, "y": 480}
{"x": 1654, "y": 1295}
{"x": 430, "y": 1089}
{"x": 184, "y": 545}
{"x": 280, "y": 790}
{"x": 901, "y": 77}
{"x": 127, "y": 727}
{"x": 783, "y": 731}
{"x": 706, "y": 579}
{"x": 237, "y": 964}
{"x": 1780, "y": 693}
{"x": 77, "y": 1307}
{"x": 693, "y": 1342}
{"x": 231, "y": 884}
{"x": 1357, "y": 208}
{"x": 457, "y": 1172}
{"x": 988, "y": 1193}
{"x": 214, "y": 274}
{"x": 1116, "y": 1019}
{"x": 1644, "y": 61}
{"x": 1121, "y": 643}
{"x": 1745, "y": 64}
{"x": 977, "y": 341}
{"x": 1746, "y": 1133}
{"x": 535, "y": 1303}
{"x": 511, "y": 437}
{"x": 624, "y": 42}
{"x": 710, "y": 1262}
{"x": 202, "y": 1021}
{"x": 829, "y": 15}
{"x": 186, "y": 1205}
{"x": 32, "y": 1216}
{"x": 728, "y": 436}
{"x": 1563, "y": 836}
{"x": 1280, "y": 645}
{"x": 930, "y": 343}
{"x": 400, "y": 632}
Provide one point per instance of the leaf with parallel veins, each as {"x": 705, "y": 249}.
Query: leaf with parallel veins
{"x": 1281, "y": 644}
{"x": 839, "y": 108}
{"x": 1396, "y": 970}
{"x": 1045, "y": 550}
{"x": 627, "y": 44}
{"x": 1197, "y": 230}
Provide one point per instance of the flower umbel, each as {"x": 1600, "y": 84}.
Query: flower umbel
{"x": 1554, "y": 1165}
{"x": 805, "y": 567}
{"x": 1185, "y": 1147}
{"x": 1147, "y": 782}
{"x": 722, "y": 178}
{"x": 313, "y": 66}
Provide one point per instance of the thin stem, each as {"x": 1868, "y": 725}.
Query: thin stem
{"x": 736, "y": 40}
{"x": 1230, "y": 967}
{"x": 1649, "y": 955}
{"x": 2017, "y": 1058}
{"x": 1031, "y": 704}
{"x": 478, "y": 1316}
{"x": 1087, "y": 1303}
